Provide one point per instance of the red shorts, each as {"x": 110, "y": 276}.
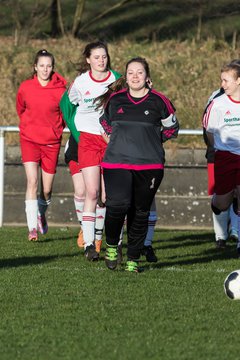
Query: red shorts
{"x": 226, "y": 172}
{"x": 45, "y": 155}
{"x": 211, "y": 181}
{"x": 74, "y": 167}
{"x": 91, "y": 149}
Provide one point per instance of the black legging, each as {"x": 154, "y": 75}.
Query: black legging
{"x": 129, "y": 192}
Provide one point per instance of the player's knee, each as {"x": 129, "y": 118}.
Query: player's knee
{"x": 92, "y": 194}
{"x": 32, "y": 184}
{"x": 117, "y": 210}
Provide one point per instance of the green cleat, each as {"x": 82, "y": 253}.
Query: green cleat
{"x": 111, "y": 257}
{"x": 132, "y": 266}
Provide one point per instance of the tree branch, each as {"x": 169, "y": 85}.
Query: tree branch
{"x": 105, "y": 12}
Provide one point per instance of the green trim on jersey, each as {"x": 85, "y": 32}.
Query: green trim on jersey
{"x": 116, "y": 74}
{"x": 69, "y": 111}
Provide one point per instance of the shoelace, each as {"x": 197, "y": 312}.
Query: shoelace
{"x": 111, "y": 253}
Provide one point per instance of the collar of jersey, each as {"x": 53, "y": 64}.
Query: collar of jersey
{"x": 138, "y": 101}
{"x": 99, "y": 81}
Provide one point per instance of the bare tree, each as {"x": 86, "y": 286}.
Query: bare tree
{"x": 103, "y": 13}
{"x": 55, "y": 31}
{"x": 78, "y": 17}
{"x": 26, "y": 28}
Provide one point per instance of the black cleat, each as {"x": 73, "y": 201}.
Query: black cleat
{"x": 149, "y": 253}
{"x": 221, "y": 244}
{"x": 91, "y": 254}
{"x": 111, "y": 257}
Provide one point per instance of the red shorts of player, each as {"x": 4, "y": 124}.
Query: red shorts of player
{"x": 45, "y": 155}
{"x": 226, "y": 172}
{"x": 74, "y": 167}
{"x": 211, "y": 180}
{"x": 91, "y": 149}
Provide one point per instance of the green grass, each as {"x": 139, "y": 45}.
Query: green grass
{"x": 56, "y": 305}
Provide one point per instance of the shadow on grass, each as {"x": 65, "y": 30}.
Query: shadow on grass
{"x": 27, "y": 260}
{"x": 205, "y": 257}
{"x": 43, "y": 239}
{"x": 183, "y": 241}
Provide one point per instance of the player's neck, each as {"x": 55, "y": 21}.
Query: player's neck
{"x": 99, "y": 75}
{"x": 235, "y": 96}
{"x": 138, "y": 93}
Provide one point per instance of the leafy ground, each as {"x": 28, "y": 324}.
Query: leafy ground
{"x": 56, "y": 305}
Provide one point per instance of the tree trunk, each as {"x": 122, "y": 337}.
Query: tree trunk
{"x": 78, "y": 17}
{"x": 60, "y": 19}
{"x": 55, "y": 31}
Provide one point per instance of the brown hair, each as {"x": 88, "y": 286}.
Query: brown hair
{"x": 234, "y": 65}
{"x": 120, "y": 84}
{"x": 39, "y": 54}
{"x": 84, "y": 66}
{"x": 117, "y": 85}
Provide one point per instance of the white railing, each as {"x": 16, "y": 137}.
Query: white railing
{"x": 4, "y": 129}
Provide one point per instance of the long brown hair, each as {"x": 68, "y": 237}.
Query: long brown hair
{"x": 117, "y": 85}
{"x": 83, "y": 66}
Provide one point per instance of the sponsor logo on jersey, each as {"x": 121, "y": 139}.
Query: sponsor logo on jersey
{"x": 230, "y": 120}
{"x": 146, "y": 112}
{"x": 120, "y": 111}
{"x": 88, "y": 100}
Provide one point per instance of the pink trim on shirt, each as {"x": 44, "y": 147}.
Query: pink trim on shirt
{"x": 165, "y": 99}
{"x": 137, "y": 102}
{"x": 131, "y": 166}
{"x": 207, "y": 115}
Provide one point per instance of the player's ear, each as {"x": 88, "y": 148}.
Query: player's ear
{"x": 149, "y": 82}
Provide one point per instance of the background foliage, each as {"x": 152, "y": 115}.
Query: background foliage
{"x": 186, "y": 44}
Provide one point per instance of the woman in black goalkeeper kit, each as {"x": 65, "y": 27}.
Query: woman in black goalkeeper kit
{"x": 139, "y": 120}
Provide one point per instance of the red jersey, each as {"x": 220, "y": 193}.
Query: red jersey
{"x": 38, "y": 109}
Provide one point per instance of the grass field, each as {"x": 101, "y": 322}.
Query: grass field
{"x": 56, "y": 305}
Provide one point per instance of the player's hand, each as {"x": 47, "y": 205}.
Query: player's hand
{"x": 106, "y": 137}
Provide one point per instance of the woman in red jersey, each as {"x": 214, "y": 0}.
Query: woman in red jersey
{"x": 41, "y": 126}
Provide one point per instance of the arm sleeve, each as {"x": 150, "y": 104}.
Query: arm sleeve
{"x": 170, "y": 127}
{"x": 74, "y": 94}
{"x": 68, "y": 110}
{"x": 20, "y": 103}
{"x": 105, "y": 119}
{"x": 211, "y": 121}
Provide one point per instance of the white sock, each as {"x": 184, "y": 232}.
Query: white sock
{"x": 99, "y": 224}
{"x": 79, "y": 204}
{"x": 220, "y": 224}
{"x": 233, "y": 222}
{"x": 31, "y": 209}
{"x": 43, "y": 205}
{"x": 88, "y": 226}
{"x": 152, "y": 219}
